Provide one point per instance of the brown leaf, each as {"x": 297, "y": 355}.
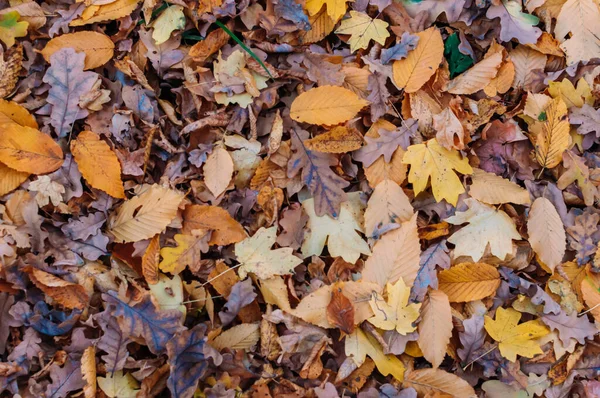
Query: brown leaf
{"x": 340, "y": 310}
{"x": 70, "y": 295}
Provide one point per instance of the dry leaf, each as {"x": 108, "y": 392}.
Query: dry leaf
{"x": 339, "y": 139}
{"x": 28, "y": 150}
{"x": 240, "y": 337}
{"x": 326, "y": 105}
{"x": 551, "y": 137}
{"x": 340, "y": 310}
{"x": 98, "y": 48}
{"x": 218, "y": 170}
{"x": 546, "y": 233}
{"x": 469, "y": 282}
{"x": 436, "y": 382}
{"x": 492, "y": 189}
{"x": 67, "y": 294}
{"x": 435, "y": 328}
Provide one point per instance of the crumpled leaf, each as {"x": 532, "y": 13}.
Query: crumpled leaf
{"x": 400, "y": 50}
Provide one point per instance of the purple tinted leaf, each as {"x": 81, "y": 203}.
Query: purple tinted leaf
{"x": 242, "y": 294}
{"x": 6, "y": 302}
{"x": 51, "y": 322}
{"x": 292, "y": 11}
{"x": 571, "y": 327}
{"x": 27, "y": 349}
{"x": 386, "y": 144}
{"x": 84, "y": 227}
{"x": 139, "y": 101}
{"x": 65, "y": 379}
{"x": 114, "y": 343}
{"x": 325, "y": 186}
{"x": 145, "y": 320}
{"x": 472, "y": 338}
{"x": 188, "y": 355}
{"x": 587, "y": 117}
{"x": 379, "y": 95}
{"x": 436, "y": 254}
{"x": 400, "y": 50}
{"x": 583, "y": 236}
{"x": 397, "y": 342}
{"x": 68, "y": 82}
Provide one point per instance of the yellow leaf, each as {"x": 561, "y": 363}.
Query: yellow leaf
{"x": 486, "y": 226}
{"x": 435, "y": 328}
{"x": 98, "y": 163}
{"x": 88, "y": 371}
{"x": 30, "y": 12}
{"x": 432, "y": 160}
{"x": 313, "y": 307}
{"x": 359, "y": 345}
{"x": 29, "y": 150}
{"x": 98, "y": 48}
{"x": 321, "y": 25}
{"x": 168, "y": 293}
{"x": 225, "y": 229}
{"x": 339, "y": 139}
{"x": 363, "y": 29}
{"x": 107, "y": 12}
{"x": 438, "y": 383}
{"x": 187, "y": 253}
{"x": 326, "y": 105}
{"x": 118, "y": 385}
{"x": 503, "y": 80}
{"x": 580, "y": 19}
{"x": 476, "y": 78}
{"x": 577, "y": 170}
{"x": 395, "y": 313}
{"x": 546, "y": 231}
{"x": 10, "y": 179}
{"x": 573, "y": 97}
{"x": 493, "y": 189}
{"x": 10, "y": 28}
{"x": 513, "y": 338}
{"x": 240, "y": 337}
{"x": 340, "y": 234}
{"x": 395, "y": 255}
{"x": 591, "y": 297}
{"x": 526, "y": 61}
{"x": 335, "y": 8}
{"x": 150, "y": 261}
{"x": 388, "y": 204}
{"x": 469, "y": 282}
{"x": 256, "y": 256}
{"x": 412, "y": 72}
{"x": 169, "y": 20}
{"x": 218, "y": 170}
{"x": 145, "y": 215}
{"x": 551, "y": 137}
{"x": 11, "y": 112}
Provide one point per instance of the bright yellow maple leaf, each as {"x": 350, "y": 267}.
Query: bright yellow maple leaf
{"x": 335, "y": 8}
{"x": 255, "y": 255}
{"x": 396, "y": 313}
{"x": 513, "y": 338}
{"x": 187, "y": 252}
{"x": 433, "y": 160}
{"x": 359, "y": 345}
{"x": 11, "y": 28}
{"x": 363, "y": 29}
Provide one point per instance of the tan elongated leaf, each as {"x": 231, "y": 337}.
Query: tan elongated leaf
{"x": 145, "y": 215}
{"x": 240, "y": 337}
{"x": 432, "y": 382}
{"x": 395, "y": 256}
{"x": 551, "y": 137}
{"x": 218, "y": 170}
{"x": 10, "y": 179}
{"x": 435, "y": 328}
{"x": 225, "y": 229}
{"x": 526, "y": 62}
{"x": 107, "y": 12}
{"x": 88, "y": 371}
{"x": 326, "y": 105}
{"x": 388, "y": 204}
{"x": 98, "y": 163}
{"x": 469, "y": 281}
{"x": 28, "y": 150}
{"x": 476, "y": 78}
{"x": 12, "y": 112}
{"x": 98, "y": 47}
{"x": 412, "y": 72}
{"x": 150, "y": 261}
{"x": 493, "y": 189}
{"x": 546, "y": 232}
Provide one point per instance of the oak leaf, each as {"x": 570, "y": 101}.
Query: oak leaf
{"x": 469, "y": 282}
{"x": 119, "y": 385}
{"x": 583, "y": 43}
{"x": 256, "y": 256}
{"x": 145, "y": 215}
{"x": 363, "y": 29}
{"x": 395, "y": 313}
{"x": 546, "y": 233}
{"x": 326, "y": 105}
{"x": 487, "y": 226}
{"x": 515, "y": 24}
{"x": 186, "y": 254}
{"x": 432, "y": 160}
{"x": 421, "y": 63}
{"x": 98, "y": 163}
{"x": 514, "y": 339}
{"x": 28, "y": 150}
{"x": 340, "y": 234}
{"x": 98, "y": 48}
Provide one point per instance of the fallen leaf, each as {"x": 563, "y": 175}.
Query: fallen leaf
{"x": 335, "y": 8}
{"x": 240, "y": 337}
{"x": 11, "y": 28}
{"x": 339, "y": 139}
{"x": 546, "y": 233}
{"x": 359, "y": 345}
{"x": 395, "y": 313}
{"x": 10, "y": 179}
{"x": 437, "y": 381}
{"x": 476, "y": 78}
{"x": 492, "y": 189}
{"x": 326, "y": 105}
{"x": 515, "y": 24}
{"x": 435, "y": 327}
{"x": 387, "y": 205}
{"x": 107, "y": 12}
{"x": 362, "y": 29}
{"x": 71, "y": 295}
{"x": 168, "y": 21}
{"x": 551, "y": 137}
{"x": 98, "y": 48}
{"x": 340, "y": 310}
{"x": 583, "y": 43}
{"x": 28, "y": 150}
{"x": 186, "y": 254}
{"x": 218, "y": 170}
{"x": 469, "y": 282}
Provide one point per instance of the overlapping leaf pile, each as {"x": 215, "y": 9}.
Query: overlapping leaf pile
{"x": 290, "y": 198}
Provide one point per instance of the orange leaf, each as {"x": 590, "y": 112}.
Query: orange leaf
{"x": 340, "y": 311}
{"x": 29, "y": 150}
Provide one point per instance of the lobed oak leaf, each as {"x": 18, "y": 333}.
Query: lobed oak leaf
{"x": 432, "y": 160}
{"x": 362, "y": 29}
{"x": 487, "y": 226}
{"x": 326, "y": 105}
{"x": 514, "y": 338}
{"x": 515, "y": 24}
{"x": 386, "y": 143}
{"x": 400, "y": 50}
{"x": 256, "y": 256}
{"x": 395, "y": 313}
{"x": 583, "y": 43}
{"x": 186, "y": 254}
{"x": 571, "y": 326}
{"x": 340, "y": 234}
{"x": 119, "y": 385}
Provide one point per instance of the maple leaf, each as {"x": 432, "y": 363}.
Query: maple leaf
{"x": 359, "y": 345}
{"x": 118, "y": 385}
{"x": 572, "y": 97}
{"x": 186, "y": 254}
{"x": 487, "y": 226}
{"x": 68, "y": 83}
{"x": 256, "y": 256}
{"x": 514, "y": 339}
{"x": 340, "y": 234}
{"x": 10, "y": 28}
{"x": 324, "y": 184}
{"x": 386, "y": 143}
{"x": 432, "y": 160}
{"x": 362, "y": 29}
{"x": 514, "y": 24}
{"x": 395, "y": 312}
{"x": 335, "y": 8}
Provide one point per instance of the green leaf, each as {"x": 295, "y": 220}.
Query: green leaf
{"x": 457, "y": 61}
{"x": 11, "y": 28}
